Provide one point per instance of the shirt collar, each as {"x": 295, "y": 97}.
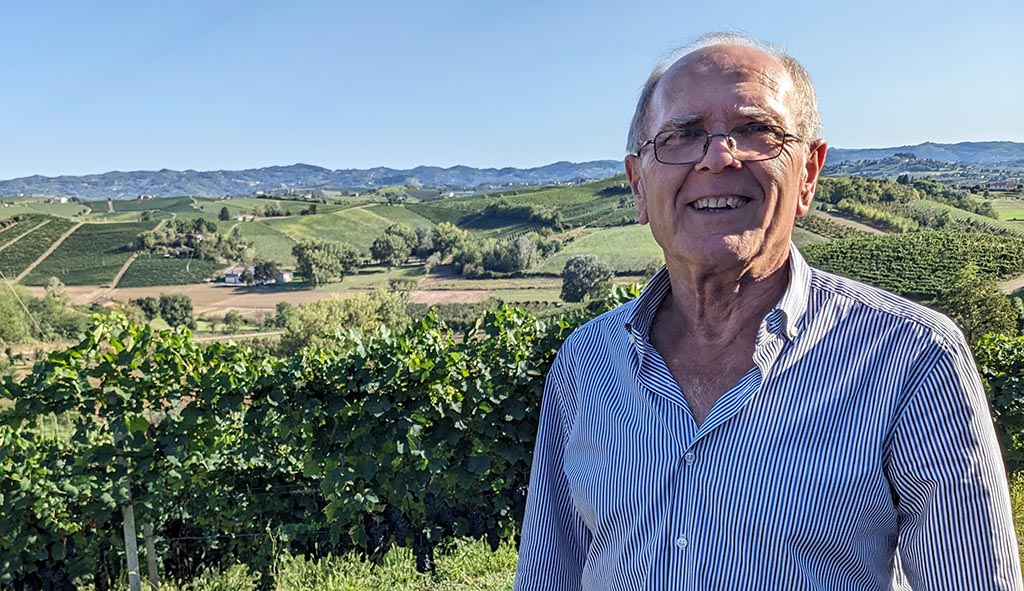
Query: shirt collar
{"x": 792, "y": 305}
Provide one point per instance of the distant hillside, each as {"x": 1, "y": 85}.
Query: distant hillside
{"x": 978, "y": 153}
{"x": 221, "y": 183}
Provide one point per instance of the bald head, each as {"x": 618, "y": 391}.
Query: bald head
{"x": 728, "y": 54}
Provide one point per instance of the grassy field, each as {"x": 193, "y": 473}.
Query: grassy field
{"x": 1009, "y": 209}
{"x": 358, "y": 226}
{"x": 91, "y": 256}
{"x": 802, "y": 237}
{"x": 1014, "y": 228}
{"x": 270, "y": 243}
{"x": 374, "y": 277}
{"x": 624, "y": 249}
{"x": 61, "y": 210}
{"x": 172, "y": 204}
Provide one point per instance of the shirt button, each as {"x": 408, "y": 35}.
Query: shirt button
{"x": 689, "y": 457}
{"x": 681, "y": 543}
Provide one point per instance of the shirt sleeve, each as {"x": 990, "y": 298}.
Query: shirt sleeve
{"x": 949, "y": 484}
{"x": 554, "y": 541}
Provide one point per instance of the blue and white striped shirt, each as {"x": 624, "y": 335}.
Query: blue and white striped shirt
{"x": 857, "y": 453}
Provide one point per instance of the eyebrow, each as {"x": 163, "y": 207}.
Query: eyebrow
{"x": 683, "y": 122}
{"x": 760, "y": 114}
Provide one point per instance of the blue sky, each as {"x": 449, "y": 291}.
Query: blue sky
{"x": 116, "y": 85}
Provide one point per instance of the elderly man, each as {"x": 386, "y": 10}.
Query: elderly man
{"x": 749, "y": 422}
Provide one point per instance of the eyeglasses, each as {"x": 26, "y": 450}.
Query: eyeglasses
{"x": 746, "y": 143}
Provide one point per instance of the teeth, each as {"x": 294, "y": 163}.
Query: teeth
{"x": 719, "y": 203}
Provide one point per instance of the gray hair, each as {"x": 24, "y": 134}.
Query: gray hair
{"x": 808, "y": 119}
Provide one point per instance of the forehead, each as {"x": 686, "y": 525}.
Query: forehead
{"x": 723, "y": 83}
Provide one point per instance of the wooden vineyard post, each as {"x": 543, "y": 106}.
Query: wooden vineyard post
{"x": 147, "y": 536}
{"x": 131, "y": 540}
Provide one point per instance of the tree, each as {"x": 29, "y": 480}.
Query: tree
{"x": 322, "y": 262}
{"x": 424, "y": 241}
{"x": 583, "y": 276}
{"x": 326, "y": 322}
{"x": 149, "y": 305}
{"x": 979, "y": 306}
{"x": 224, "y": 214}
{"x": 265, "y": 271}
{"x": 14, "y": 321}
{"x": 176, "y": 310}
{"x": 390, "y": 249}
{"x": 233, "y": 321}
{"x": 449, "y": 238}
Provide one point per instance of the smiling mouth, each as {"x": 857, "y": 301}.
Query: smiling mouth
{"x": 719, "y": 203}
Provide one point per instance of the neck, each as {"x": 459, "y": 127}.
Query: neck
{"x": 715, "y": 307}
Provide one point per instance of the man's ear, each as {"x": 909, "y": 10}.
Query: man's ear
{"x": 812, "y": 171}
{"x": 636, "y": 185}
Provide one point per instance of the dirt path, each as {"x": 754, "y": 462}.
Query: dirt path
{"x": 846, "y": 222}
{"x": 1012, "y": 285}
{"x": 49, "y": 251}
{"x": 128, "y": 263}
{"x": 241, "y": 335}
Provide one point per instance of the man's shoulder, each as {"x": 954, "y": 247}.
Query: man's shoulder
{"x": 609, "y": 325}
{"x": 881, "y": 305}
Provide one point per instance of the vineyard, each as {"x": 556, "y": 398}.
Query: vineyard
{"x": 411, "y": 439}
{"x": 406, "y": 440}
{"x": 92, "y": 255}
{"x": 148, "y": 270}
{"x": 41, "y": 233}
{"x": 920, "y": 265}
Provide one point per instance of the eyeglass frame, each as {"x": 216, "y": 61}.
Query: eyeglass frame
{"x": 730, "y": 143}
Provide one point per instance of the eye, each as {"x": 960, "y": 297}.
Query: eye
{"x": 681, "y": 136}
{"x": 754, "y": 129}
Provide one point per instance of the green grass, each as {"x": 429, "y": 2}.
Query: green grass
{"x": 1009, "y": 209}
{"x": 466, "y": 566}
{"x": 374, "y": 277}
{"x": 60, "y": 210}
{"x": 148, "y": 271}
{"x": 91, "y": 256}
{"x": 400, "y": 214}
{"x": 624, "y": 249}
{"x": 1014, "y": 228}
{"x": 173, "y": 204}
{"x": 358, "y": 226}
{"x": 270, "y": 243}
{"x": 802, "y": 237}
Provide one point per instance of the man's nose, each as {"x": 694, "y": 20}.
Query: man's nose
{"x": 719, "y": 153}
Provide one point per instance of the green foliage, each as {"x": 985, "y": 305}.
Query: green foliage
{"x": 584, "y": 276}
{"x": 33, "y": 236}
{"x": 149, "y": 270}
{"x": 1000, "y": 361}
{"x": 826, "y": 226}
{"x": 875, "y": 217}
{"x": 224, "y": 214}
{"x": 176, "y": 310}
{"x": 394, "y": 246}
{"x": 149, "y": 305}
{"x": 323, "y": 262}
{"x": 14, "y": 320}
{"x": 92, "y": 255}
{"x": 921, "y": 264}
{"x": 978, "y": 306}
{"x": 327, "y": 323}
